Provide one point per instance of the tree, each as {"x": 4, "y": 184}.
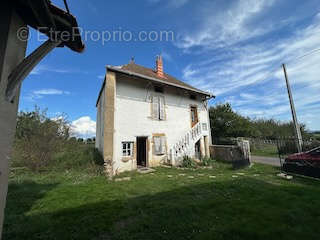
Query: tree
{"x": 227, "y": 123}
{"x": 38, "y": 138}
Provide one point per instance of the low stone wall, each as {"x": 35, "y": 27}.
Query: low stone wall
{"x": 235, "y": 154}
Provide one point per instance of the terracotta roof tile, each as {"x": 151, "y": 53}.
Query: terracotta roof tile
{"x": 132, "y": 67}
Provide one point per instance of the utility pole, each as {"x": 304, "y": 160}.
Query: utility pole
{"x": 293, "y": 112}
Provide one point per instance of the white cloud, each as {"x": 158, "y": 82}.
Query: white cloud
{"x": 38, "y": 94}
{"x": 229, "y": 23}
{"x": 166, "y": 56}
{"x": 248, "y": 73}
{"x": 84, "y": 127}
{"x": 102, "y": 76}
{"x": 170, "y": 3}
{"x": 39, "y": 69}
{"x": 50, "y": 91}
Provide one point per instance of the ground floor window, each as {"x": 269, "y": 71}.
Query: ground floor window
{"x": 127, "y": 149}
{"x": 159, "y": 145}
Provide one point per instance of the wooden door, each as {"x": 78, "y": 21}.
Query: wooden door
{"x": 194, "y": 116}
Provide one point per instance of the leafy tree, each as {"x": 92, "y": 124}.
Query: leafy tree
{"x": 38, "y": 138}
{"x": 227, "y": 123}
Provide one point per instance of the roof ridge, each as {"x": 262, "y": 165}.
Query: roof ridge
{"x": 146, "y": 72}
{"x": 153, "y": 70}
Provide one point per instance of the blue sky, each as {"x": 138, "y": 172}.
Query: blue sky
{"x": 233, "y": 49}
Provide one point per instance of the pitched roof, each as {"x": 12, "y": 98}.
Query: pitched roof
{"x": 150, "y": 73}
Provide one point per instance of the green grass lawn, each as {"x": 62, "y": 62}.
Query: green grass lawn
{"x": 266, "y": 151}
{"x": 237, "y": 204}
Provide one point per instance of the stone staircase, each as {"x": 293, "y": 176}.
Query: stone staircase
{"x": 185, "y": 145}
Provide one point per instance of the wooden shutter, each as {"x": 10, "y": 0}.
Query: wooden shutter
{"x": 155, "y": 107}
{"x": 157, "y": 145}
{"x": 161, "y": 108}
{"x": 163, "y": 145}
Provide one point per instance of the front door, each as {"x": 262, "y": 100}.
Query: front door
{"x": 142, "y": 151}
{"x": 194, "y": 116}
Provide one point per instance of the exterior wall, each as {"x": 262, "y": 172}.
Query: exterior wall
{"x": 100, "y": 121}
{"x": 133, "y": 118}
{"x": 238, "y": 155}
{"x": 109, "y": 128}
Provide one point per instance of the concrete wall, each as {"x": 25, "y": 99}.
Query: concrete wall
{"x": 226, "y": 153}
{"x": 235, "y": 154}
{"x": 133, "y": 118}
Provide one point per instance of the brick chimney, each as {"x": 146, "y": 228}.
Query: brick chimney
{"x": 159, "y": 67}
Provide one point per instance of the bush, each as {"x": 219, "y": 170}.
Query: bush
{"x": 207, "y": 161}
{"x": 38, "y": 138}
{"x": 188, "y": 162}
{"x": 42, "y": 143}
{"x": 77, "y": 156}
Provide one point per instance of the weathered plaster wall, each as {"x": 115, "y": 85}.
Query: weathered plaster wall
{"x": 100, "y": 121}
{"x": 133, "y": 117}
{"x": 239, "y": 153}
{"x": 109, "y": 127}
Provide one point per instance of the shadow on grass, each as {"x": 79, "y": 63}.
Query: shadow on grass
{"x": 245, "y": 208}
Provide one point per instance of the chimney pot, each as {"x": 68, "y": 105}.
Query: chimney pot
{"x": 159, "y": 67}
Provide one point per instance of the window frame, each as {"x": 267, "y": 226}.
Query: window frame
{"x": 162, "y": 147}
{"x": 126, "y": 147}
{"x": 204, "y": 126}
{"x": 158, "y": 107}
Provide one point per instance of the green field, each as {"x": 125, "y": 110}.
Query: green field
{"x": 244, "y": 204}
{"x": 266, "y": 150}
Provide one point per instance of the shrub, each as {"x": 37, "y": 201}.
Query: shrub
{"x": 77, "y": 156}
{"x": 38, "y": 138}
{"x": 42, "y": 143}
{"x": 207, "y": 161}
{"x": 188, "y": 162}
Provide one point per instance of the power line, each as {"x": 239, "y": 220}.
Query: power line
{"x": 305, "y": 55}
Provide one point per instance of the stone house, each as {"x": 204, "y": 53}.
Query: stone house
{"x": 146, "y": 117}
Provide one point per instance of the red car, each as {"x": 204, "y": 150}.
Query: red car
{"x": 306, "y": 163}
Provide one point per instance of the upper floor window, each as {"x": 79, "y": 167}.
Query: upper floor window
{"x": 158, "y": 89}
{"x": 158, "y": 109}
{"x": 193, "y": 97}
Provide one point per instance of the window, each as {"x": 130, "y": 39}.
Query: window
{"x": 158, "y": 89}
{"x": 158, "y": 108}
{"x": 159, "y": 145}
{"x": 193, "y": 116}
{"x": 204, "y": 127}
{"x": 193, "y": 97}
{"x": 127, "y": 149}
